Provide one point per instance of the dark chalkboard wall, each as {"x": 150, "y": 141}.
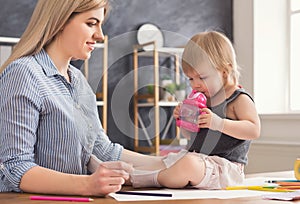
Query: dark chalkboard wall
{"x": 14, "y": 16}
{"x": 178, "y": 19}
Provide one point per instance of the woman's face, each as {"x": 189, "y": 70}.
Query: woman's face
{"x": 81, "y": 33}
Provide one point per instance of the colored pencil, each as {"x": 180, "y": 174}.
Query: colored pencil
{"x": 55, "y": 198}
{"x": 258, "y": 188}
{"x": 276, "y": 181}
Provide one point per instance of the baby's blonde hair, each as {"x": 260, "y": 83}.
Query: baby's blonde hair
{"x": 48, "y": 19}
{"x": 215, "y": 47}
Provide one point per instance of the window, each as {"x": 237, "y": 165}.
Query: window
{"x": 276, "y": 63}
{"x": 294, "y": 15}
{"x": 262, "y": 40}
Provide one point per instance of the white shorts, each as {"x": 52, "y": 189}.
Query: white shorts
{"x": 219, "y": 172}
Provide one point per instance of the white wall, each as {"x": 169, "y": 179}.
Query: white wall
{"x": 279, "y": 144}
{"x": 4, "y": 53}
{"x": 243, "y": 40}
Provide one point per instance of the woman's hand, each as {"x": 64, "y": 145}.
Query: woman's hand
{"x": 109, "y": 177}
{"x": 208, "y": 119}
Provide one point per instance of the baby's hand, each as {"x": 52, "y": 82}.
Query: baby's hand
{"x": 208, "y": 119}
{"x": 176, "y": 112}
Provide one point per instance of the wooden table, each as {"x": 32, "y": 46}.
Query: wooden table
{"x": 23, "y": 198}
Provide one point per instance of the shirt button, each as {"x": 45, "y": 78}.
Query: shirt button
{"x": 90, "y": 126}
{"x": 1, "y": 166}
{"x": 78, "y": 106}
{"x": 91, "y": 146}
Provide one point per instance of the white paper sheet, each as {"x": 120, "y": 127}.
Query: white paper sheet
{"x": 190, "y": 194}
{"x": 180, "y": 194}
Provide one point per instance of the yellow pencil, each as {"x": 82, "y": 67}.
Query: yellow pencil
{"x": 262, "y": 188}
{"x": 258, "y": 188}
{"x": 240, "y": 187}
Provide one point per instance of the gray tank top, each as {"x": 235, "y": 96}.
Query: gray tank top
{"x": 212, "y": 142}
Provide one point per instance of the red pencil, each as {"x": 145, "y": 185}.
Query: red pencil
{"x": 55, "y": 198}
{"x": 289, "y": 187}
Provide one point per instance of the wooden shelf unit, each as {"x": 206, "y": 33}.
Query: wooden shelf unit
{"x": 154, "y": 146}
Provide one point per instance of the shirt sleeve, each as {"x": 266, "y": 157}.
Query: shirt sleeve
{"x": 19, "y": 107}
{"x": 105, "y": 150}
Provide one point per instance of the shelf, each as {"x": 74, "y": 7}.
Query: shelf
{"x": 99, "y": 45}
{"x": 163, "y": 52}
{"x": 168, "y": 103}
{"x": 160, "y": 103}
{"x": 157, "y": 137}
{"x": 100, "y": 103}
{"x": 9, "y": 40}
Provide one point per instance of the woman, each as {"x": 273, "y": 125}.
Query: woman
{"x": 50, "y": 134}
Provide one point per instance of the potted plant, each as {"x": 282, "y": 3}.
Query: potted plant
{"x": 180, "y": 92}
{"x": 166, "y": 79}
{"x": 150, "y": 91}
{"x": 170, "y": 91}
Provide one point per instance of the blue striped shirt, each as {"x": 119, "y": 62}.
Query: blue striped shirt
{"x": 47, "y": 121}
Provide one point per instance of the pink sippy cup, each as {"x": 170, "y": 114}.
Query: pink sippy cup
{"x": 190, "y": 110}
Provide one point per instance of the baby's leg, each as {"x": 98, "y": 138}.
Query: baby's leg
{"x": 190, "y": 169}
{"x": 146, "y": 175}
{"x": 142, "y": 178}
{"x": 177, "y": 171}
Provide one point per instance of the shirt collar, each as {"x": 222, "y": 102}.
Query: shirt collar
{"x": 50, "y": 69}
{"x": 46, "y": 63}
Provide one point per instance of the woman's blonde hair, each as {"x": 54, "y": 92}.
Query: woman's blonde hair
{"x": 48, "y": 19}
{"x": 215, "y": 47}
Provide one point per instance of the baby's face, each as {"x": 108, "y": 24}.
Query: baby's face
{"x": 204, "y": 78}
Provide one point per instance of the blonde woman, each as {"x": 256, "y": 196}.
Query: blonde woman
{"x": 50, "y": 134}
